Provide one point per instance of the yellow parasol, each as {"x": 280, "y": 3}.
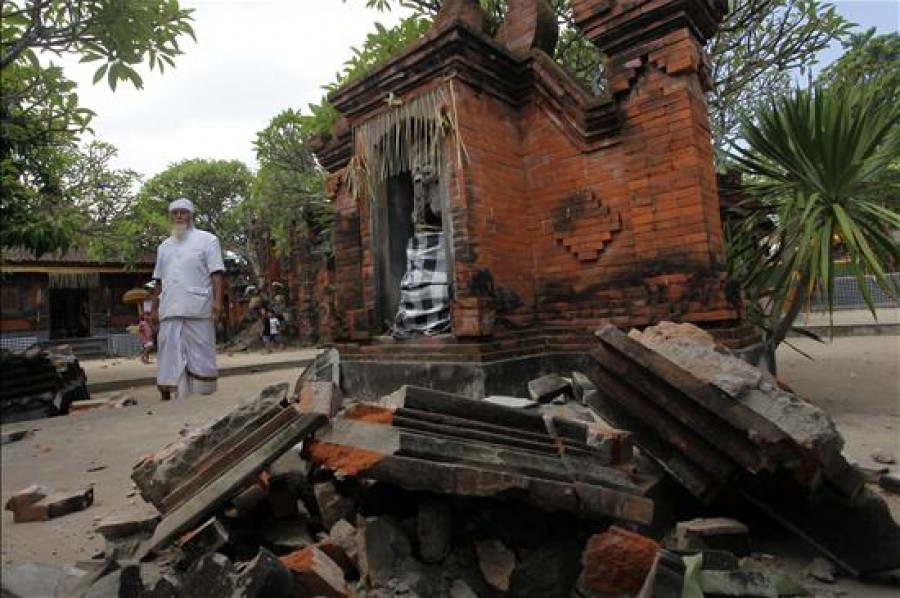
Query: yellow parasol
{"x": 138, "y": 297}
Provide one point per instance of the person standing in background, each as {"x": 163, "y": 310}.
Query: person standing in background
{"x": 188, "y": 303}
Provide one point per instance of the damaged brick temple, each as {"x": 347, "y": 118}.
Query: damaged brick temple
{"x": 484, "y": 423}
{"x": 557, "y": 210}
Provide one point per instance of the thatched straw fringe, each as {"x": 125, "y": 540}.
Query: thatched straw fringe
{"x": 407, "y": 136}
{"x": 74, "y": 280}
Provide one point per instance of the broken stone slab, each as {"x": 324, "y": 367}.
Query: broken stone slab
{"x": 513, "y": 402}
{"x": 750, "y": 584}
{"x": 547, "y": 387}
{"x": 617, "y": 561}
{"x": 496, "y": 562}
{"x": 315, "y": 574}
{"x": 419, "y": 408}
{"x": 124, "y": 535}
{"x": 320, "y": 397}
{"x": 418, "y": 461}
{"x": 209, "y": 537}
{"x": 719, "y": 533}
{"x": 243, "y": 462}
{"x": 434, "y": 526}
{"x": 158, "y": 475}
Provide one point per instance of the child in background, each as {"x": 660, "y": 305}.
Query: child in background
{"x": 145, "y": 334}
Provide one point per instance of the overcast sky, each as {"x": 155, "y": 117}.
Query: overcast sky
{"x": 253, "y": 59}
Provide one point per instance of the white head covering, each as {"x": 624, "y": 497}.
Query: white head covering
{"x": 182, "y": 204}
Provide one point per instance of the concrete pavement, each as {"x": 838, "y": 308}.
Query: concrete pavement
{"x": 117, "y": 373}
{"x": 852, "y": 322}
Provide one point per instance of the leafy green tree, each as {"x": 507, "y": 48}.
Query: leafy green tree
{"x": 753, "y": 54}
{"x": 289, "y": 189}
{"x": 810, "y": 157}
{"x": 868, "y": 59}
{"x": 40, "y": 117}
{"x": 216, "y": 187}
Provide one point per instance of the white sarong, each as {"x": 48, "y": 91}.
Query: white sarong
{"x": 187, "y": 355}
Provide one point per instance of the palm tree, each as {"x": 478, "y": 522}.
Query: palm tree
{"x": 811, "y": 159}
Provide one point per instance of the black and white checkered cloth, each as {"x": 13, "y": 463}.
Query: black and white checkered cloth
{"x": 425, "y": 290}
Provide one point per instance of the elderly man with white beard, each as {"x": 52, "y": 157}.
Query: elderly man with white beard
{"x": 188, "y": 301}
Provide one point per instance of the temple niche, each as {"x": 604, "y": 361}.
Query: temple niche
{"x": 490, "y": 213}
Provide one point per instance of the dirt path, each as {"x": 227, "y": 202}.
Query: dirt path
{"x": 64, "y": 449}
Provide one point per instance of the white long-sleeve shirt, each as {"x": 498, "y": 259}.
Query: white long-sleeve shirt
{"x": 184, "y": 267}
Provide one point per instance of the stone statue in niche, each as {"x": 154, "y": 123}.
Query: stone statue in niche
{"x": 426, "y": 214}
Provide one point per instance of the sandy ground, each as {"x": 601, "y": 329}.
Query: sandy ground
{"x": 856, "y": 379}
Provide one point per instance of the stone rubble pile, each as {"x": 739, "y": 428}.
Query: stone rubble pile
{"x": 565, "y": 493}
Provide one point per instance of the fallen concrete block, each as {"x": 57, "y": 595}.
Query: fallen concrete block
{"x": 617, "y": 562}
{"x": 315, "y": 574}
{"x": 496, "y": 562}
{"x": 22, "y": 501}
{"x": 547, "y": 387}
{"x": 263, "y": 577}
{"x": 209, "y": 537}
{"x": 719, "y": 533}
